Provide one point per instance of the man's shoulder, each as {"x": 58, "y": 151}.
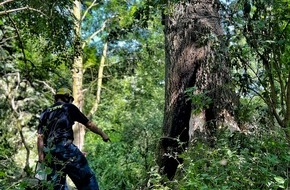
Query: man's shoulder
{"x": 69, "y": 105}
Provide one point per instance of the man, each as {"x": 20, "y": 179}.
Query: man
{"x": 55, "y": 147}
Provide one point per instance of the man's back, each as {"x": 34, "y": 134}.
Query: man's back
{"x": 56, "y": 124}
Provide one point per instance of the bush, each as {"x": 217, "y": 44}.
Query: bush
{"x": 238, "y": 161}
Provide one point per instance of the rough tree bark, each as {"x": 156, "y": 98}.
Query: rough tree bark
{"x": 194, "y": 58}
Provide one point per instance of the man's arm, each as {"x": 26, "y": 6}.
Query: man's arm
{"x": 40, "y": 146}
{"x": 93, "y": 127}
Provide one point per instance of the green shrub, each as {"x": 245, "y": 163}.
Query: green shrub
{"x": 238, "y": 161}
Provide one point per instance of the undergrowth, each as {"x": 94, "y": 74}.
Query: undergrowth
{"x": 238, "y": 161}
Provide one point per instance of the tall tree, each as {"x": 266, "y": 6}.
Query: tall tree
{"x": 77, "y": 75}
{"x": 195, "y": 63}
{"x": 80, "y": 43}
{"x": 104, "y": 22}
{"x": 259, "y": 50}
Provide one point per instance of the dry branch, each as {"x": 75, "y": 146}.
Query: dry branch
{"x": 20, "y": 9}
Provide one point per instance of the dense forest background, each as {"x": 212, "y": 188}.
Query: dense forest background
{"x": 194, "y": 94}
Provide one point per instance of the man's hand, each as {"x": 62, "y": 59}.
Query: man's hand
{"x": 93, "y": 127}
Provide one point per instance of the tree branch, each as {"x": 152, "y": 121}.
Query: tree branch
{"x": 268, "y": 101}
{"x": 89, "y": 8}
{"x": 4, "y": 2}
{"x": 94, "y": 34}
{"x": 26, "y": 146}
{"x": 20, "y": 9}
{"x": 20, "y": 40}
{"x": 11, "y": 97}
{"x": 287, "y": 116}
{"x": 100, "y": 79}
{"x": 47, "y": 85}
{"x": 277, "y": 68}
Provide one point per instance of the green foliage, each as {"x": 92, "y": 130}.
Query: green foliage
{"x": 28, "y": 71}
{"x": 36, "y": 46}
{"x": 7, "y": 149}
{"x": 131, "y": 113}
{"x": 200, "y": 101}
{"x": 239, "y": 161}
{"x": 46, "y": 19}
{"x": 124, "y": 163}
{"x": 254, "y": 112}
{"x": 258, "y": 41}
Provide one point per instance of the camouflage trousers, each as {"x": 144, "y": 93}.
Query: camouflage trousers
{"x": 66, "y": 159}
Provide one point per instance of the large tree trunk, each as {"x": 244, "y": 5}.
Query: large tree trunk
{"x": 79, "y": 130}
{"x": 192, "y": 41}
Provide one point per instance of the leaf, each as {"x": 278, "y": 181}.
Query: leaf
{"x": 280, "y": 181}
{"x": 133, "y": 10}
{"x": 2, "y": 174}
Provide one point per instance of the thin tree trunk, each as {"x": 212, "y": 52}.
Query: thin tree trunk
{"x": 287, "y": 116}
{"x": 100, "y": 79}
{"x": 79, "y": 130}
{"x": 26, "y": 146}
